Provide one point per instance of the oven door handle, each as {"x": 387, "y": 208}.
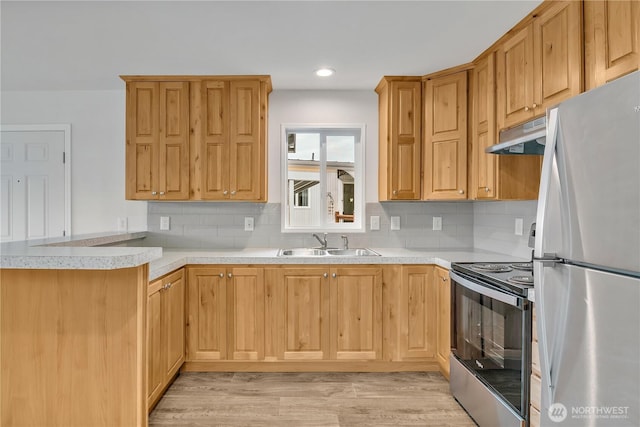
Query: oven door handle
{"x": 487, "y": 291}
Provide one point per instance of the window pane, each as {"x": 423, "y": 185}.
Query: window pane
{"x": 303, "y": 180}
{"x": 340, "y": 176}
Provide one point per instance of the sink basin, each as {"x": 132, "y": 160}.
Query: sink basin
{"x": 302, "y": 252}
{"x": 352, "y": 252}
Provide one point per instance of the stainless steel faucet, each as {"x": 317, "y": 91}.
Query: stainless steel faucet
{"x": 323, "y": 242}
{"x": 345, "y": 242}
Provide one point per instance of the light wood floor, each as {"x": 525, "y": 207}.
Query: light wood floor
{"x": 309, "y": 399}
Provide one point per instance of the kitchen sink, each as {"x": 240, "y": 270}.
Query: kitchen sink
{"x": 313, "y": 252}
{"x": 302, "y": 252}
{"x": 352, "y": 252}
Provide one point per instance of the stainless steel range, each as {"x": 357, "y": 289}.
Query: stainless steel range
{"x": 491, "y": 341}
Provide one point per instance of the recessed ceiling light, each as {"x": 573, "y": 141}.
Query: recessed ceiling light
{"x": 325, "y": 72}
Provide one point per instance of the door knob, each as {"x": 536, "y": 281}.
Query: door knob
{"x": 225, "y": 192}
{"x": 325, "y": 275}
{"x": 233, "y": 193}
{"x": 229, "y": 275}
{"x": 526, "y": 108}
{"x": 334, "y": 275}
{"x": 221, "y": 275}
{"x": 461, "y": 191}
{"x": 534, "y": 105}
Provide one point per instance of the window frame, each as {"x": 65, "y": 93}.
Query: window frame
{"x": 326, "y": 129}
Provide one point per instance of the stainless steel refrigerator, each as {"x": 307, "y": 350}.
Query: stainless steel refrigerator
{"x": 587, "y": 259}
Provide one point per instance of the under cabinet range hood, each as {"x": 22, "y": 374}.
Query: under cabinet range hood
{"x": 527, "y": 138}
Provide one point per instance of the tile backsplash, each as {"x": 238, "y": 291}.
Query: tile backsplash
{"x": 215, "y": 225}
{"x": 211, "y": 225}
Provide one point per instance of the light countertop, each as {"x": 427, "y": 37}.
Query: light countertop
{"x": 175, "y": 258}
{"x": 85, "y": 252}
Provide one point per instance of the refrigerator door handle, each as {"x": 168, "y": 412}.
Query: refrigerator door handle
{"x": 543, "y": 337}
{"x": 549, "y": 260}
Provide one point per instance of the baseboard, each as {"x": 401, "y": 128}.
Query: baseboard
{"x": 310, "y": 366}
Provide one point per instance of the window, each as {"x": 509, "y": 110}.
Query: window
{"x": 323, "y": 184}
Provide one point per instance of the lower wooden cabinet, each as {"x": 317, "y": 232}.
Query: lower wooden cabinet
{"x": 165, "y": 332}
{"x": 444, "y": 319}
{"x": 356, "y": 313}
{"x": 298, "y": 299}
{"x": 225, "y": 313}
{"x": 331, "y": 315}
{"x": 417, "y": 313}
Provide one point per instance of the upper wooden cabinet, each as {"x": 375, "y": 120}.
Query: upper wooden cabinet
{"x": 540, "y": 64}
{"x": 445, "y": 137}
{"x": 495, "y": 177}
{"x": 400, "y": 138}
{"x": 197, "y": 137}
{"x": 230, "y": 139}
{"x": 611, "y": 40}
{"x": 157, "y": 150}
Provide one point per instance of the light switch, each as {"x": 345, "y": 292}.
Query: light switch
{"x": 437, "y": 223}
{"x": 375, "y": 223}
{"x": 248, "y": 223}
{"x": 122, "y": 224}
{"x": 164, "y": 223}
{"x": 395, "y": 223}
{"x": 519, "y": 227}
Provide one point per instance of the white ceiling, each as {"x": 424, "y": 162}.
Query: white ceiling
{"x": 86, "y": 45}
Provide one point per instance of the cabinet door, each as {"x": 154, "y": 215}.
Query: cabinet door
{"x": 173, "y": 168}
{"x": 445, "y": 165}
{"x": 206, "y": 314}
{"x": 247, "y": 147}
{"x": 173, "y": 322}
{"x": 356, "y": 313}
{"x": 155, "y": 362}
{"x": 444, "y": 319}
{"x": 303, "y": 313}
{"x": 418, "y": 313}
{"x": 405, "y": 145}
{"x": 557, "y": 47}
{"x": 515, "y": 79}
{"x": 611, "y": 39}
{"x": 484, "y": 129}
{"x": 142, "y": 140}
{"x": 246, "y": 299}
{"x": 214, "y": 140}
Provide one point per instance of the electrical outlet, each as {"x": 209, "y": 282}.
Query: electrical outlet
{"x": 395, "y": 223}
{"x": 375, "y": 223}
{"x": 165, "y": 223}
{"x": 122, "y": 224}
{"x": 437, "y": 223}
{"x": 248, "y": 223}
{"x": 519, "y": 227}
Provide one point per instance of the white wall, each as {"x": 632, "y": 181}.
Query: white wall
{"x": 97, "y": 152}
{"x": 314, "y": 106}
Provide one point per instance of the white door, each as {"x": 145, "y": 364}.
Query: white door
{"x": 34, "y": 189}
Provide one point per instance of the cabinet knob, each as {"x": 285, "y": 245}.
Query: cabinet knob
{"x": 325, "y": 275}
{"x": 486, "y": 189}
{"x": 233, "y": 193}
{"x": 229, "y": 275}
{"x": 334, "y": 275}
{"x": 162, "y": 193}
{"x": 526, "y": 108}
{"x": 153, "y": 193}
{"x": 461, "y": 191}
{"x": 225, "y": 192}
{"x": 534, "y": 105}
{"x": 394, "y": 192}
{"x": 221, "y": 275}
{"x": 444, "y": 279}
